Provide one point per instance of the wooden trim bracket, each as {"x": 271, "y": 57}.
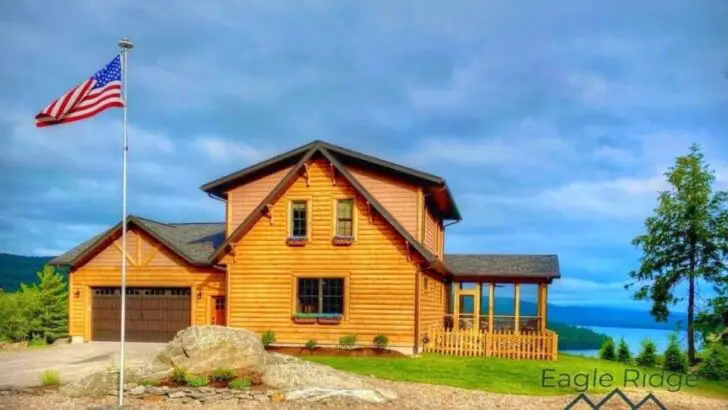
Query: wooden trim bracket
{"x": 268, "y": 211}
{"x": 333, "y": 174}
{"x": 305, "y": 172}
{"x": 406, "y": 245}
{"x": 369, "y": 211}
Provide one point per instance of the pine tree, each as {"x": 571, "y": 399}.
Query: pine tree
{"x": 606, "y": 352}
{"x": 715, "y": 366}
{"x": 48, "y": 299}
{"x": 647, "y": 357}
{"x": 686, "y": 240}
{"x": 675, "y": 360}
{"x": 623, "y": 353}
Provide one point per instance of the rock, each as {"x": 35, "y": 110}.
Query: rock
{"x": 62, "y": 341}
{"x": 287, "y": 373}
{"x": 277, "y": 397}
{"x": 157, "y": 391}
{"x": 138, "y": 390}
{"x": 202, "y": 349}
{"x": 100, "y": 383}
{"x": 318, "y": 393}
{"x": 230, "y": 402}
{"x": 187, "y": 399}
{"x": 177, "y": 395}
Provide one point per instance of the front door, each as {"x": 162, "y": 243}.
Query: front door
{"x": 467, "y": 306}
{"x": 218, "y": 313}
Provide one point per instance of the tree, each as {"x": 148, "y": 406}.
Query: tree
{"x": 713, "y": 323}
{"x": 623, "y": 353}
{"x": 606, "y": 352}
{"x": 675, "y": 360}
{"x": 686, "y": 240}
{"x": 715, "y": 366}
{"x": 647, "y": 357}
{"x": 49, "y": 307}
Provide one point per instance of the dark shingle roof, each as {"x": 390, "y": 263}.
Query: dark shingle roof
{"x": 541, "y": 266}
{"x": 193, "y": 242}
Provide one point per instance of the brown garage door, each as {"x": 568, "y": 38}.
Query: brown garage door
{"x": 152, "y": 314}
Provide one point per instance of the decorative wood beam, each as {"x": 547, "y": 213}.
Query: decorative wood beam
{"x": 369, "y": 211}
{"x": 406, "y": 245}
{"x": 129, "y": 258}
{"x": 154, "y": 251}
{"x": 139, "y": 246}
{"x": 333, "y": 174}
{"x": 305, "y": 172}
{"x": 268, "y": 211}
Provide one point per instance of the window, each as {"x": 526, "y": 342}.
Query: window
{"x": 320, "y": 295}
{"x": 345, "y": 217}
{"x": 298, "y": 219}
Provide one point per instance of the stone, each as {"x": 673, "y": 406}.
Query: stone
{"x": 157, "y": 391}
{"x": 187, "y": 399}
{"x": 61, "y": 341}
{"x": 100, "y": 383}
{"x": 277, "y": 397}
{"x": 229, "y": 402}
{"x": 177, "y": 395}
{"x": 287, "y": 372}
{"x": 138, "y": 390}
{"x": 202, "y": 349}
{"x": 210, "y": 399}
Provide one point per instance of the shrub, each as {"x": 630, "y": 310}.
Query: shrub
{"x": 268, "y": 338}
{"x": 197, "y": 381}
{"x": 381, "y": 342}
{"x": 36, "y": 341}
{"x": 311, "y": 345}
{"x": 179, "y": 376}
{"x": 623, "y": 353}
{"x": 606, "y": 352}
{"x": 149, "y": 382}
{"x": 239, "y": 384}
{"x": 347, "y": 342}
{"x": 715, "y": 365}
{"x": 648, "y": 355}
{"x": 50, "y": 378}
{"x": 223, "y": 374}
{"x": 675, "y": 359}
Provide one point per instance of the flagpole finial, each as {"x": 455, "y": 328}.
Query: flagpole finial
{"x": 126, "y": 43}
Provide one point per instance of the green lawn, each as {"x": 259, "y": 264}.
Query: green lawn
{"x": 508, "y": 376}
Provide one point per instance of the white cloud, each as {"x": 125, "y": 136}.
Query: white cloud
{"x": 222, "y": 149}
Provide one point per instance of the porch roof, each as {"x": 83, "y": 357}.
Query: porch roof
{"x": 505, "y": 266}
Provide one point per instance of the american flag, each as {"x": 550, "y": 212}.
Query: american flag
{"x": 101, "y": 91}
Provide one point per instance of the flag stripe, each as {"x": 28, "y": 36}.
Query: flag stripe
{"x": 80, "y": 116}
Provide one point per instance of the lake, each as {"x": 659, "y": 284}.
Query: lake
{"x": 633, "y": 337}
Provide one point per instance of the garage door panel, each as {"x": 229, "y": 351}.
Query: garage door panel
{"x": 152, "y": 314}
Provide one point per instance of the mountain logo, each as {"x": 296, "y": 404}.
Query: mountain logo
{"x": 583, "y": 398}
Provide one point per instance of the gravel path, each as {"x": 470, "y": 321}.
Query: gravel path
{"x": 411, "y": 396}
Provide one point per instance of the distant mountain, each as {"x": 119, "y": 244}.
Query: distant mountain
{"x": 16, "y": 269}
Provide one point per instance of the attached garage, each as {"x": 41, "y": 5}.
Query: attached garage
{"x": 152, "y": 314}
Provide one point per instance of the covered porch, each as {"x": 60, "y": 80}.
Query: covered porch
{"x": 497, "y": 307}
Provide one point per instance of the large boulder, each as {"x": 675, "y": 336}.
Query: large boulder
{"x": 202, "y": 349}
{"x": 101, "y": 383}
{"x": 293, "y": 374}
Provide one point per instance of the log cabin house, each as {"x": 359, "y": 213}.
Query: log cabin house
{"x": 318, "y": 242}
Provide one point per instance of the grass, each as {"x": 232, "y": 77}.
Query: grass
{"x": 50, "y": 378}
{"x": 239, "y": 384}
{"x": 508, "y": 376}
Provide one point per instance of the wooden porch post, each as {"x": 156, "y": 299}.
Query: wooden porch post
{"x": 517, "y": 306}
{"x": 491, "y": 294}
{"x": 476, "y": 308}
{"x": 542, "y": 306}
{"x": 456, "y": 306}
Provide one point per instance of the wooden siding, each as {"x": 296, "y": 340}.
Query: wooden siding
{"x": 379, "y": 279}
{"x": 399, "y": 197}
{"x": 149, "y": 264}
{"x": 244, "y": 198}
{"x": 433, "y": 302}
{"x": 434, "y": 237}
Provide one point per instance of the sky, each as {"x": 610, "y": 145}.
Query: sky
{"x": 552, "y": 122}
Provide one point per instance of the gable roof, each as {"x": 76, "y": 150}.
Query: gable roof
{"x": 286, "y": 182}
{"x": 220, "y": 186}
{"x": 509, "y": 266}
{"x": 193, "y": 242}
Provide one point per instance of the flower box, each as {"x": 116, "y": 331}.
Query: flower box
{"x": 329, "y": 319}
{"x": 296, "y": 240}
{"x": 340, "y": 240}
{"x": 304, "y": 319}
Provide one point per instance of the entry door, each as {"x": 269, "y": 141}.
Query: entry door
{"x": 218, "y": 314}
{"x": 467, "y": 308}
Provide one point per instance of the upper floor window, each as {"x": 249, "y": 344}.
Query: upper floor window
{"x": 345, "y": 217}
{"x": 299, "y": 223}
{"x": 320, "y": 295}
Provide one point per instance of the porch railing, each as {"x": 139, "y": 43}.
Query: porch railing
{"x": 528, "y": 345}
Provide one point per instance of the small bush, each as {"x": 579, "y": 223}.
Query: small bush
{"x": 381, "y": 342}
{"x": 623, "y": 353}
{"x": 239, "y": 384}
{"x": 715, "y": 365}
{"x": 647, "y": 357}
{"x": 347, "y": 342}
{"x": 149, "y": 382}
{"x": 606, "y": 352}
{"x": 179, "y": 376}
{"x": 223, "y": 374}
{"x": 197, "y": 381}
{"x": 268, "y": 338}
{"x": 36, "y": 341}
{"x": 50, "y": 378}
{"x": 311, "y": 345}
{"x": 675, "y": 359}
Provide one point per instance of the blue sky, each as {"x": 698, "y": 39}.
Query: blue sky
{"x": 551, "y": 121}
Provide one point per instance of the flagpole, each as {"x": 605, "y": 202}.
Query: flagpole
{"x": 125, "y": 45}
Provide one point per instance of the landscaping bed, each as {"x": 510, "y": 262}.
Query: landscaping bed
{"x": 332, "y": 351}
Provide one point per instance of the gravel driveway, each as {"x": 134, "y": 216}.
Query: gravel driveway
{"x": 22, "y": 368}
